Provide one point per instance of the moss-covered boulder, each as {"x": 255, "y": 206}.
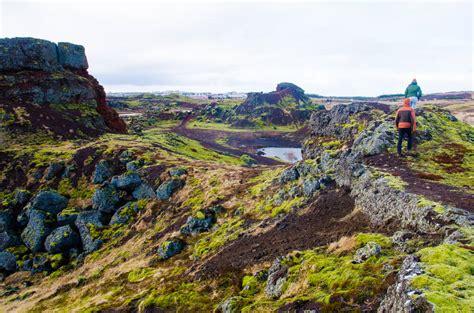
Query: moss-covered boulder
{"x": 49, "y": 201}
{"x": 7, "y": 240}
{"x": 62, "y": 239}
{"x": 144, "y": 191}
{"x": 198, "y": 224}
{"x": 124, "y": 213}
{"x": 168, "y": 188}
{"x": 86, "y": 223}
{"x": 54, "y": 170}
{"x": 128, "y": 181}
{"x": 105, "y": 199}
{"x": 170, "y": 248}
{"x": 7, "y": 262}
{"x": 102, "y": 172}
{"x": 38, "y": 228}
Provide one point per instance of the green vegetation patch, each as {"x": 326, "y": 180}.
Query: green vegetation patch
{"x": 140, "y": 274}
{"x": 450, "y": 153}
{"x": 185, "y": 297}
{"x": 226, "y": 232}
{"x": 318, "y": 276}
{"x": 448, "y": 281}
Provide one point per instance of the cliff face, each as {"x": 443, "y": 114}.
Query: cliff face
{"x": 46, "y": 87}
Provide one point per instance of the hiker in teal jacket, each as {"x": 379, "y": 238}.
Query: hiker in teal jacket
{"x": 413, "y": 92}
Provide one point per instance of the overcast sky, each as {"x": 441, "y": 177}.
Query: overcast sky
{"x": 329, "y": 48}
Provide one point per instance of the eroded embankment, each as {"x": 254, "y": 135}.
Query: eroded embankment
{"x": 326, "y": 220}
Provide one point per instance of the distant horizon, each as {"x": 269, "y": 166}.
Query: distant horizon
{"x": 306, "y": 92}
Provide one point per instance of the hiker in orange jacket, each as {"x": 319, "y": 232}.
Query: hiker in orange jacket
{"x": 405, "y": 122}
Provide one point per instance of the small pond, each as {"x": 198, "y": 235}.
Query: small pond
{"x": 291, "y": 155}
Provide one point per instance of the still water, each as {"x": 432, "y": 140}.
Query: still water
{"x": 291, "y": 155}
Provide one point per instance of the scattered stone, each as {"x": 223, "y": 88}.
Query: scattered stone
{"x": 144, "y": 191}
{"x": 288, "y": 175}
{"x": 217, "y": 209}
{"x": 67, "y": 217}
{"x": 127, "y": 182}
{"x": 231, "y": 305}
{"x": 170, "y": 248}
{"x": 85, "y": 222}
{"x": 8, "y": 240}
{"x": 37, "y": 264}
{"x": 310, "y": 186}
{"x": 370, "y": 249}
{"x": 62, "y": 239}
{"x": 6, "y": 220}
{"x": 38, "y": 228}
{"x": 7, "y": 262}
{"x": 196, "y": 225}
{"x": 90, "y": 217}
{"x": 22, "y": 197}
{"x": 69, "y": 170}
{"x": 134, "y": 165}
{"x": 277, "y": 275}
{"x": 49, "y": 201}
{"x": 168, "y": 188}
{"x": 126, "y": 156}
{"x": 124, "y": 214}
{"x": 177, "y": 171}
{"x": 54, "y": 170}
{"x": 102, "y": 172}
{"x": 105, "y": 199}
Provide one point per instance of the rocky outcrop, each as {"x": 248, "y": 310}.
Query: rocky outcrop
{"x": 401, "y": 297}
{"x": 46, "y": 86}
{"x": 270, "y": 107}
{"x": 277, "y": 275}
{"x": 362, "y": 130}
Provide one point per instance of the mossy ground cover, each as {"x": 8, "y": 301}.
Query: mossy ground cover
{"x": 449, "y": 155}
{"x": 448, "y": 279}
{"x": 228, "y": 127}
{"x": 320, "y": 276}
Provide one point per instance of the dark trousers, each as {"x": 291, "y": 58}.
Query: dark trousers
{"x": 402, "y": 132}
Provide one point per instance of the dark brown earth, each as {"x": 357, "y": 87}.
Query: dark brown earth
{"x": 243, "y": 141}
{"x": 422, "y": 183}
{"x": 322, "y": 224}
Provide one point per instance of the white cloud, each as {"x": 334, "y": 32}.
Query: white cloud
{"x": 362, "y": 48}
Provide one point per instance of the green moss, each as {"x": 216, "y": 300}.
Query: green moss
{"x": 287, "y": 206}
{"x": 140, "y": 274}
{"x": 318, "y": 276}
{"x": 250, "y": 286}
{"x": 448, "y": 281}
{"x": 394, "y": 181}
{"x": 363, "y": 238}
{"x": 226, "y": 232}
{"x": 263, "y": 181}
{"x": 453, "y": 142}
{"x": 196, "y": 198}
{"x": 185, "y": 297}
{"x": 437, "y": 207}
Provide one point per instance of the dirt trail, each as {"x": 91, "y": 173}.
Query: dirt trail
{"x": 322, "y": 224}
{"x": 416, "y": 184}
{"x": 207, "y": 137}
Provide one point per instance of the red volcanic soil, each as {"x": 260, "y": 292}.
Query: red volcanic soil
{"x": 241, "y": 139}
{"x": 320, "y": 225}
{"x": 423, "y": 183}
